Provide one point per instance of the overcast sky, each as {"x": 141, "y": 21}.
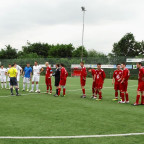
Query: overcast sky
{"x": 60, "y": 21}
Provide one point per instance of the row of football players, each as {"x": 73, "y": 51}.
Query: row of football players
{"x": 3, "y": 75}
{"x": 120, "y": 81}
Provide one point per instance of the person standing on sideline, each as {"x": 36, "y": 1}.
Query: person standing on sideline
{"x": 48, "y": 76}
{"x": 8, "y": 78}
{"x": 3, "y": 73}
{"x": 12, "y": 72}
{"x": 27, "y": 75}
{"x": 57, "y": 78}
{"x": 83, "y": 79}
{"x": 116, "y": 81}
{"x": 140, "y": 90}
{"x": 37, "y": 70}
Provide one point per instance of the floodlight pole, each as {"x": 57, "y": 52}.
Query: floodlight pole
{"x": 83, "y": 10}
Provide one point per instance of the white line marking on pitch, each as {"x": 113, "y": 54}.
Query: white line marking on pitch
{"x": 69, "y": 137}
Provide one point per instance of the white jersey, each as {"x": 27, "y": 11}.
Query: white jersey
{"x": 36, "y": 70}
{"x": 3, "y": 72}
{"x": 18, "y": 69}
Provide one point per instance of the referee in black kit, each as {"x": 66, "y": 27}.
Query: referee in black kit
{"x": 57, "y": 78}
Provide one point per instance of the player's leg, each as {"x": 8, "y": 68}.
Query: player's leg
{"x": 83, "y": 91}
{"x": 18, "y": 78}
{"x": 16, "y": 86}
{"x": 2, "y": 80}
{"x": 5, "y": 82}
{"x": 32, "y": 86}
{"x": 59, "y": 90}
{"x": 64, "y": 90}
{"x": 28, "y": 83}
{"x": 100, "y": 94}
{"x": 37, "y": 83}
{"x": 137, "y": 98}
{"x": 50, "y": 85}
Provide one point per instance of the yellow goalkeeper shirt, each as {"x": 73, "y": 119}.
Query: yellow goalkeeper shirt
{"x": 12, "y": 72}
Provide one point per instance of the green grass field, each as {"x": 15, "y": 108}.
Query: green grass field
{"x": 35, "y": 114}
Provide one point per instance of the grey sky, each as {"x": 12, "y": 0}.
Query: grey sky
{"x": 60, "y": 21}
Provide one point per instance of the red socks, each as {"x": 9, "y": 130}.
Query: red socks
{"x": 116, "y": 95}
{"x": 83, "y": 90}
{"x": 93, "y": 91}
{"x": 142, "y": 100}
{"x": 64, "y": 90}
{"x": 127, "y": 98}
{"x": 59, "y": 91}
{"x": 100, "y": 95}
{"x": 122, "y": 96}
{"x": 137, "y": 99}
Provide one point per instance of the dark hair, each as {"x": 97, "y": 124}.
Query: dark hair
{"x": 9, "y": 64}
{"x": 98, "y": 63}
{"x": 139, "y": 63}
{"x": 57, "y": 65}
{"x": 123, "y": 63}
{"x": 118, "y": 64}
{"x": 82, "y": 62}
{"x": 62, "y": 64}
{"x": 89, "y": 68}
{"x": 1, "y": 65}
{"x": 13, "y": 64}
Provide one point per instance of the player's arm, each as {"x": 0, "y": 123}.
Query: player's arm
{"x": 94, "y": 77}
{"x": 113, "y": 80}
{"x": 41, "y": 70}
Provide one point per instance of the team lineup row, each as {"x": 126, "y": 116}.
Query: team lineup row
{"x": 120, "y": 80}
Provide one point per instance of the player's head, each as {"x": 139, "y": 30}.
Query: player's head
{"x": 118, "y": 66}
{"x": 99, "y": 65}
{"x": 81, "y": 64}
{"x": 2, "y": 66}
{"x": 89, "y": 70}
{"x": 139, "y": 64}
{"x": 47, "y": 64}
{"x": 14, "y": 65}
{"x": 28, "y": 64}
{"x": 123, "y": 65}
{"x": 35, "y": 63}
{"x": 57, "y": 65}
{"x": 61, "y": 65}
{"x": 9, "y": 65}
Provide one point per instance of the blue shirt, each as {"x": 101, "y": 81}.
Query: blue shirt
{"x": 27, "y": 71}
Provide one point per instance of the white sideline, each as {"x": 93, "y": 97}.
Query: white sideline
{"x": 69, "y": 137}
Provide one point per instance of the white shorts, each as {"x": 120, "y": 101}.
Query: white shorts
{"x": 18, "y": 78}
{"x": 26, "y": 80}
{"x": 35, "y": 78}
{"x": 3, "y": 78}
{"x": 8, "y": 79}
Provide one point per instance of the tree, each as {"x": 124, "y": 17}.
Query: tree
{"x": 8, "y": 53}
{"x": 127, "y": 46}
{"x": 78, "y": 52}
{"x": 62, "y": 51}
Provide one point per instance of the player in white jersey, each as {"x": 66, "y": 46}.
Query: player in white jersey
{"x": 37, "y": 69}
{"x": 8, "y": 78}
{"x": 20, "y": 70}
{"x": 3, "y": 73}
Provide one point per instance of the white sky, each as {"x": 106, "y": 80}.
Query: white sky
{"x": 60, "y": 21}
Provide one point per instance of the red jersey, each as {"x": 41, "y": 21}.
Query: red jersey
{"x": 100, "y": 75}
{"x": 83, "y": 73}
{"x": 117, "y": 75}
{"x": 126, "y": 74}
{"x": 64, "y": 73}
{"x": 141, "y": 75}
{"x": 93, "y": 72}
{"x": 48, "y": 71}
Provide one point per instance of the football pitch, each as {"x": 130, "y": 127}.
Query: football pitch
{"x": 43, "y": 115}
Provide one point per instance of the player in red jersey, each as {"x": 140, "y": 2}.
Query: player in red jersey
{"x": 124, "y": 84}
{"x": 100, "y": 77}
{"x": 83, "y": 79}
{"x": 140, "y": 90}
{"x": 63, "y": 78}
{"x": 117, "y": 80}
{"x": 48, "y": 76}
{"x": 94, "y": 91}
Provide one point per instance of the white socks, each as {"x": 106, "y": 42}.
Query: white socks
{"x": 1, "y": 85}
{"x": 37, "y": 86}
{"x": 5, "y": 85}
{"x": 32, "y": 87}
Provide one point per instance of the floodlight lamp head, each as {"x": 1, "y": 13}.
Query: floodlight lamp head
{"x": 83, "y": 8}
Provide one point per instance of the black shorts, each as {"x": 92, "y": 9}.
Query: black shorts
{"x": 57, "y": 80}
{"x": 13, "y": 81}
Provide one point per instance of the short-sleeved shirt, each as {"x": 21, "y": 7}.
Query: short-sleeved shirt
{"x": 28, "y": 71}
{"x": 36, "y": 70}
{"x": 18, "y": 69}
{"x": 83, "y": 73}
{"x": 12, "y": 72}
{"x": 126, "y": 75}
{"x": 141, "y": 75}
{"x": 48, "y": 71}
{"x": 3, "y": 72}
{"x": 100, "y": 75}
{"x": 117, "y": 75}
